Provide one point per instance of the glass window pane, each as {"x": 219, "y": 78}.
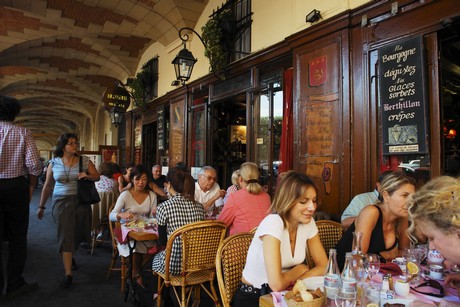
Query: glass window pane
{"x": 198, "y": 136}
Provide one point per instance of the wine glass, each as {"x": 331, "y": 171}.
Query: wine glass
{"x": 372, "y": 265}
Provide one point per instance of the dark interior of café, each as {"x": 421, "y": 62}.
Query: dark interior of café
{"x": 450, "y": 100}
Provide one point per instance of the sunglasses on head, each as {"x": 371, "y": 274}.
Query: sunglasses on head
{"x": 433, "y": 284}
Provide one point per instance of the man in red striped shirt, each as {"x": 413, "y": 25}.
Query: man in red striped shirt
{"x": 20, "y": 167}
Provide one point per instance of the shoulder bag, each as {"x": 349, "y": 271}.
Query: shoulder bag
{"x": 86, "y": 190}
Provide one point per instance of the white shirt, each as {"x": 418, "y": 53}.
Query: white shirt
{"x": 254, "y": 270}
{"x": 202, "y": 196}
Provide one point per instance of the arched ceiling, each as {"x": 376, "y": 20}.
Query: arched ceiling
{"x": 59, "y": 56}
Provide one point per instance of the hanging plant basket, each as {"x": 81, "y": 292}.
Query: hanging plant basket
{"x": 137, "y": 89}
{"x": 140, "y": 84}
{"x": 218, "y": 34}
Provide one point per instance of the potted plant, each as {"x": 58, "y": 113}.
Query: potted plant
{"x": 137, "y": 89}
{"x": 218, "y": 34}
{"x": 143, "y": 82}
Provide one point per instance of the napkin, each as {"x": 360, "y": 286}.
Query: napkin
{"x": 278, "y": 299}
{"x": 390, "y": 268}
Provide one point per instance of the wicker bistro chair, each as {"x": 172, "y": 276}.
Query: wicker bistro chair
{"x": 113, "y": 262}
{"x": 200, "y": 241}
{"x": 330, "y": 233}
{"x": 230, "y": 261}
{"x": 100, "y": 215}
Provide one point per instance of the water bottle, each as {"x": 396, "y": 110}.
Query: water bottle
{"x": 346, "y": 296}
{"x": 331, "y": 279}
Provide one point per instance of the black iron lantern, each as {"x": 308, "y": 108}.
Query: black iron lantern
{"x": 183, "y": 64}
{"x": 116, "y": 100}
{"x": 116, "y": 116}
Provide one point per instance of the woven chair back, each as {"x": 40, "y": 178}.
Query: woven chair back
{"x": 330, "y": 233}
{"x": 200, "y": 241}
{"x": 230, "y": 261}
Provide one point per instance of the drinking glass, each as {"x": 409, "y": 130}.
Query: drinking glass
{"x": 372, "y": 265}
{"x": 412, "y": 264}
{"x": 345, "y": 299}
{"x": 372, "y": 295}
{"x": 422, "y": 252}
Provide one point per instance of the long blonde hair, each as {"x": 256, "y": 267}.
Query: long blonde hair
{"x": 438, "y": 202}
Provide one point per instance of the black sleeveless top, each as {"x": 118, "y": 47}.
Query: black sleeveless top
{"x": 376, "y": 244}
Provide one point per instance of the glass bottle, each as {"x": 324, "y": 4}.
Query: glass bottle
{"x": 331, "y": 279}
{"x": 348, "y": 276}
{"x": 346, "y": 295}
{"x": 358, "y": 265}
{"x": 356, "y": 247}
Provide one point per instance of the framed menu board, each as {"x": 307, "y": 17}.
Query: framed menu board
{"x": 176, "y": 134}
{"x": 402, "y": 97}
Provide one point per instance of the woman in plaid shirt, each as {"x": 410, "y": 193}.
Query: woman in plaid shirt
{"x": 181, "y": 209}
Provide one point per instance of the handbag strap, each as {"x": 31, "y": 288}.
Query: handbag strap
{"x": 80, "y": 165}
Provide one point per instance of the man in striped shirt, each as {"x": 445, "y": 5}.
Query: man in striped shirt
{"x": 20, "y": 167}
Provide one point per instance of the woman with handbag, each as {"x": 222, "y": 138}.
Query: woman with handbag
{"x": 73, "y": 219}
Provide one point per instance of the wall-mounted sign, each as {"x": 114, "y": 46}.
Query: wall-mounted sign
{"x": 160, "y": 127}
{"x": 402, "y": 103}
{"x": 116, "y": 97}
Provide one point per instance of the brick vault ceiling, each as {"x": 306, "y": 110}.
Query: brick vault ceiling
{"x": 59, "y": 56}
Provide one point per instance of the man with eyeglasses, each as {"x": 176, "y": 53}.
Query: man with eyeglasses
{"x": 20, "y": 166}
{"x": 207, "y": 190}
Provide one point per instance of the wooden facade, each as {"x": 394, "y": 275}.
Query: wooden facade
{"x": 337, "y": 139}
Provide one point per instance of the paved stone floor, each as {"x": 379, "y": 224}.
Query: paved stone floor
{"x": 90, "y": 287}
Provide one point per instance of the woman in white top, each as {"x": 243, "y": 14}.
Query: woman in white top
{"x": 137, "y": 200}
{"x": 276, "y": 257}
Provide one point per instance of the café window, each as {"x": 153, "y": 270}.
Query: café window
{"x": 240, "y": 30}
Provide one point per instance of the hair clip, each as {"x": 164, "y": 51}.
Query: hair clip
{"x": 433, "y": 284}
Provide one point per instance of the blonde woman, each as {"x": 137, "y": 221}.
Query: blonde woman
{"x": 434, "y": 211}
{"x": 247, "y": 207}
{"x": 384, "y": 224}
{"x": 235, "y": 185}
{"x": 276, "y": 256}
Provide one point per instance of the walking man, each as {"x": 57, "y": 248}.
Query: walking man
{"x": 20, "y": 167}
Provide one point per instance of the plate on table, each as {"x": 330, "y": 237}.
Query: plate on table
{"x": 428, "y": 276}
{"x": 135, "y": 224}
{"x": 403, "y": 301}
{"x": 314, "y": 283}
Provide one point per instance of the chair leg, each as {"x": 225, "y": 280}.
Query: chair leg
{"x": 160, "y": 291}
{"x": 196, "y": 296}
{"x": 183, "y": 302}
{"x": 214, "y": 294}
{"x": 112, "y": 262}
{"x": 123, "y": 274}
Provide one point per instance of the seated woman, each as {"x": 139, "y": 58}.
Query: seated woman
{"x": 276, "y": 256}
{"x": 181, "y": 209}
{"x": 124, "y": 181}
{"x": 384, "y": 224}
{"x": 235, "y": 185}
{"x": 246, "y": 208}
{"x": 136, "y": 201}
{"x": 107, "y": 187}
{"x": 434, "y": 211}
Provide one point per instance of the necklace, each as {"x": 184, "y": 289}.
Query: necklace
{"x": 67, "y": 173}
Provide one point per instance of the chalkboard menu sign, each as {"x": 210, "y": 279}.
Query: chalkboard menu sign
{"x": 401, "y": 78}
{"x": 160, "y": 127}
